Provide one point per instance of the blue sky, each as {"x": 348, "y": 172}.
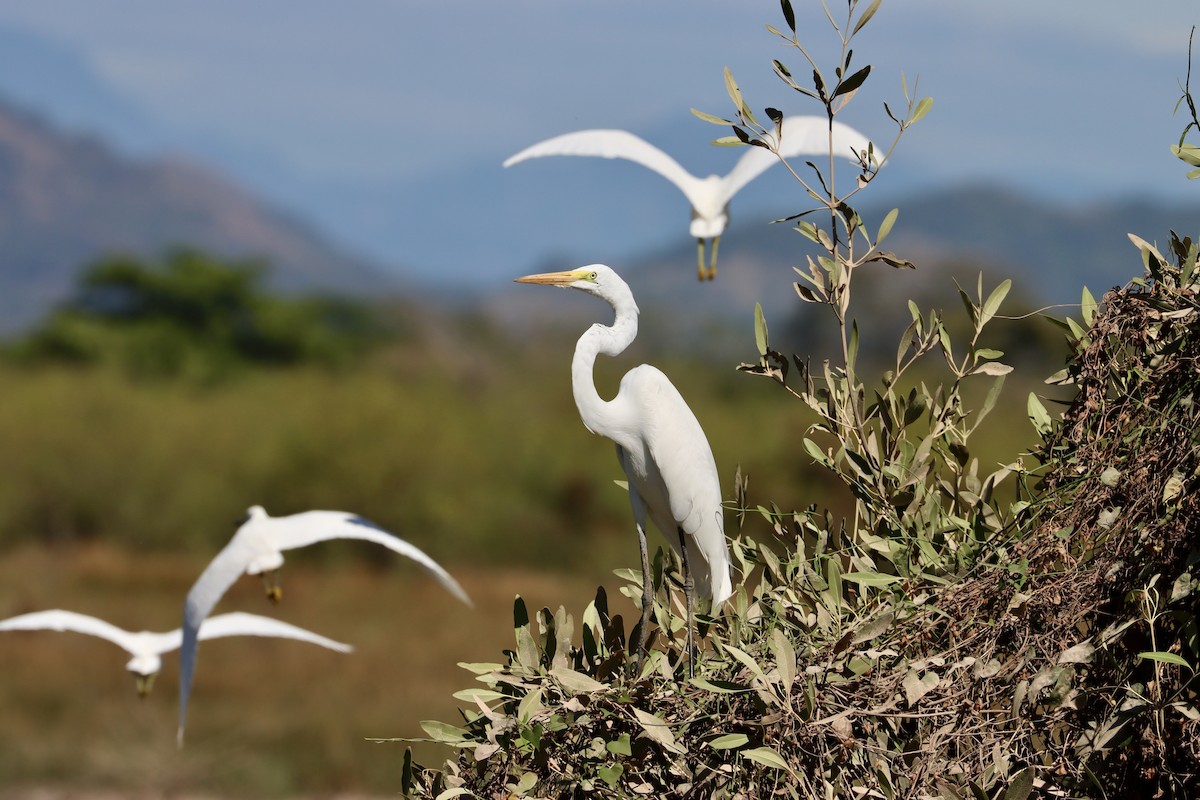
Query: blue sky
{"x": 333, "y": 108}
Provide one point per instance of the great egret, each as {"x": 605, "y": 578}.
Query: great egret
{"x": 257, "y": 548}
{"x": 709, "y": 196}
{"x": 147, "y": 648}
{"x": 671, "y": 471}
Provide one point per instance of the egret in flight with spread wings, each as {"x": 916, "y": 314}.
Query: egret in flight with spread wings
{"x": 257, "y": 549}
{"x": 710, "y": 196}
{"x": 147, "y": 648}
{"x": 670, "y": 468}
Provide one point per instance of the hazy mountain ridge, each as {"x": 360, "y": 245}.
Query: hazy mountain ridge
{"x": 66, "y": 199}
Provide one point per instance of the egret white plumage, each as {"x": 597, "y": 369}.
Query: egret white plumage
{"x": 257, "y": 548}
{"x": 147, "y": 648}
{"x": 800, "y": 135}
{"x": 666, "y": 457}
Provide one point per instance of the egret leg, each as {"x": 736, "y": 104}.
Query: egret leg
{"x": 712, "y": 269}
{"x": 270, "y": 580}
{"x": 687, "y": 594}
{"x": 700, "y": 270}
{"x": 647, "y": 595}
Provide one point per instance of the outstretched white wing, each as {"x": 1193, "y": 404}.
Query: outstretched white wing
{"x": 58, "y": 620}
{"x": 802, "y": 136}
{"x": 239, "y": 623}
{"x": 604, "y": 143}
{"x": 212, "y": 584}
{"x": 310, "y": 527}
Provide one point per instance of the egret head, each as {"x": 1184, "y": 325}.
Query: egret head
{"x": 253, "y": 512}
{"x": 596, "y": 279}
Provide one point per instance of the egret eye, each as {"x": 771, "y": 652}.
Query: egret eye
{"x": 591, "y": 276}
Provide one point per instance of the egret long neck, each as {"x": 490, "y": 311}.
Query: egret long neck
{"x": 600, "y": 415}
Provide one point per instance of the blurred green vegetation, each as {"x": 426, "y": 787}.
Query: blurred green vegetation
{"x": 193, "y": 316}
{"x": 440, "y": 427}
{"x": 117, "y": 483}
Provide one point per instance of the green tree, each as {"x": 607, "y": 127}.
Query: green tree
{"x": 193, "y": 315}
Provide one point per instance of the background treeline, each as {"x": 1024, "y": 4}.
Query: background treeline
{"x": 163, "y": 399}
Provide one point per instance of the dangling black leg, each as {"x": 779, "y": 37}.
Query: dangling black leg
{"x": 700, "y": 269}
{"x": 687, "y": 593}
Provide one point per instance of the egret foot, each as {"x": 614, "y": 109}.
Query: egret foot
{"x": 271, "y": 584}
{"x": 712, "y": 267}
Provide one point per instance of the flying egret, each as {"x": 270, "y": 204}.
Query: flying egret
{"x": 257, "y": 548}
{"x": 147, "y": 648}
{"x": 803, "y": 135}
{"x": 671, "y": 471}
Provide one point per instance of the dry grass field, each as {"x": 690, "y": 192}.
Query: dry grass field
{"x": 268, "y": 717}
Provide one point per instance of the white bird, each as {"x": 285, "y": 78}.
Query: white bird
{"x": 802, "y": 135}
{"x": 147, "y": 648}
{"x": 671, "y": 471}
{"x": 257, "y": 548}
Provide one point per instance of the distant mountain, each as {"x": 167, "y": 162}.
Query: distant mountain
{"x": 67, "y": 199}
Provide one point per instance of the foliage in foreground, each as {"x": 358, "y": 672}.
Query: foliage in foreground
{"x": 966, "y": 632}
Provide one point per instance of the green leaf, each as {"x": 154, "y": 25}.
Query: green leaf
{"x": 789, "y": 16}
{"x": 719, "y": 687}
{"x": 735, "y": 94}
{"x": 1037, "y": 415}
{"x": 992, "y": 304}
{"x": 993, "y": 368}
{"x": 785, "y": 658}
{"x": 767, "y": 757}
{"x": 658, "y": 730}
{"x": 611, "y": 774}
{"x": 443, "y": 731}
{"x": 746, "y": 659}
{"x": 1088, "y": 305}
{"x": 760, "y": 329}
{"x": 575, "y": 682}
{"x": 921, "y": 110}
{"x": 621, "y": 746}
{"x": 870, "y": 578}
{"x": 480, "y": 667}
{"x": 875, "y": 627}
{"x": 917, "y": 686}
{"x": 1188, "y": 154}
{"x": 852, "y": 83}
{"x": 1164, "y": 657}
{"x": 866, "y": 16}
{"x": 478, "y": 693}
{"x": 1021, "y": 786}
{"x": 730, "y": 741}
{"x": 885, "y": 227}
{"x": 715, "y": 120}
{"x": 450, "y": 794}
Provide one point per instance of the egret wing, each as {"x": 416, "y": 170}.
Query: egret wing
{"x": 603, "y": 143}
{"x": 208, "y": 589}
{"x": 239, "y": 623}
{"x": 310, "y": 527}
{"x": 680, "y": 453}
{"x": 58, "y": 620}
{"x": 802, "y": 136}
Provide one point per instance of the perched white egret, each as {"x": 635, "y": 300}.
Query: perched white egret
{"x": 709, "y": 196}
{"x": 671, "y": 471}
{"x": 257, "y": 548}
{"x": 147, "y": 648}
